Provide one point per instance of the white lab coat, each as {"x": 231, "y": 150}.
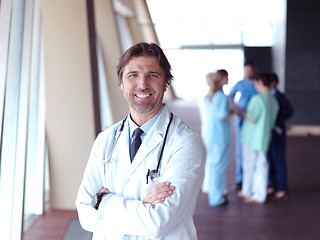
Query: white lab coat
{"x": 122, "y": 214}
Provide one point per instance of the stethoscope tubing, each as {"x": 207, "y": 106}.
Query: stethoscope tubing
{"x": 164, "y": 142}
{"x": 119, "y": 131}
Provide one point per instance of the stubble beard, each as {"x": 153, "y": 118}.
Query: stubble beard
{"x": 144, "y": 107}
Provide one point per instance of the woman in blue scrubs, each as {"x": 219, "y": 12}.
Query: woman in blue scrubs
{"x": 218, "y": 136}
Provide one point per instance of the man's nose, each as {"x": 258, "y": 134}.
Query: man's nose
{"x": 143, "y": 82}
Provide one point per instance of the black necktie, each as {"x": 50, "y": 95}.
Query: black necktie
{"x": 136, "y": 142}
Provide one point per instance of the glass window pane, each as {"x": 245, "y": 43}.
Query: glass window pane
{"x": 190, "y": 67}
{"x": 259, "y": 34}
{"x": 212, "y": 22}
{"x": 225, "y": 34}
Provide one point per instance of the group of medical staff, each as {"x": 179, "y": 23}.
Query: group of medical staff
{"x": 216, "y": 110}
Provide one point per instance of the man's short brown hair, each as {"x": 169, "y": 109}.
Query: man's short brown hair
{"x": 145, "y": 49}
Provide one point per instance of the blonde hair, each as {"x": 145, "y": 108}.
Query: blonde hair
{"x": 214, "y": 82}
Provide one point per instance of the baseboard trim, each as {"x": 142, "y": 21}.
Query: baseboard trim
{"x": 304, "y": 130}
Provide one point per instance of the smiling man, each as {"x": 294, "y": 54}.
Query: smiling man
{"x": 145, "y": 172}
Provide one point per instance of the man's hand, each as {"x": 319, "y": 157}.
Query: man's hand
{"x": 159, "y": 193}
{"x": 104, "y": 190}
{"x": 247, "y": 118}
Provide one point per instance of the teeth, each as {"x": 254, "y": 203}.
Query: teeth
{"x": 143, "y": 96}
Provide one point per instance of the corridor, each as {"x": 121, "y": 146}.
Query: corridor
{"x": 294, "y": 219}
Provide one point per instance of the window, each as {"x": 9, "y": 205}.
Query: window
{"x": 190, "y": 67}
{"x": 22, "y": 112}
{"x": 205, "y": 35}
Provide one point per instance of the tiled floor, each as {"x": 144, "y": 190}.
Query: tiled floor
{"x": 51, "y": 226}
{"x": 294, "y": 219}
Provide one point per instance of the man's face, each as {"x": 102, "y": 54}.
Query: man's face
{"x": 258, "y": 85}
{"x": 224, "y": 80}
{"x": 143, "y": 85}
{"x": 248, "y": 72}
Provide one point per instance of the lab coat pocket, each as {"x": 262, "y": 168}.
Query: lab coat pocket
{"x": 146, "y": 188}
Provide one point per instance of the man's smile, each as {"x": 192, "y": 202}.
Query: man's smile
{"x": 143, "y": 95}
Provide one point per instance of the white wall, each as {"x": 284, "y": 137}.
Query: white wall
{"x": 69, "y": 102}
{"x": 108, "y": 37}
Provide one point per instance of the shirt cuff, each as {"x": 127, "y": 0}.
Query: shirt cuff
{"x": 105, "y": 200}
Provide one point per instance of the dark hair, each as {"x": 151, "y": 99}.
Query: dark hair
{"x": 249, "y": 63}
{"x": 222, "y": 72}
{"x": 265, "y": 78}
{"x": 145, "y": 49}
{"x": 274, "y": 77}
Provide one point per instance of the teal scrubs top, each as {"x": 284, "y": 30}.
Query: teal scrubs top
{"x": 263, "y": 109}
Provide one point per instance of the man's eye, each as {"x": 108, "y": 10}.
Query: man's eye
{"x": 153, "y": 75}
{"x": 132, "y": 75}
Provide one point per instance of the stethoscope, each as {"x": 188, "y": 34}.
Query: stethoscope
{"x": 153, "y": 174}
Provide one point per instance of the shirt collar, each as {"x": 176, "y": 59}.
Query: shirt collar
{"x": 146, "y": 126}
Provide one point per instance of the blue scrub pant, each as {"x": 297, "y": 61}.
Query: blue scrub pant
{"x": 277, "y": 162}
{"x": 238, "y": 152}
{"x": 217, "y": 179}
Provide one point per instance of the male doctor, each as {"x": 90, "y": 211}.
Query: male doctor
{"x": 149, "y": 193}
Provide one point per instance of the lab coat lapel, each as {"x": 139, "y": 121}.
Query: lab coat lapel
{"x": 154, "y": 137}
{"x": 124, "y": 155}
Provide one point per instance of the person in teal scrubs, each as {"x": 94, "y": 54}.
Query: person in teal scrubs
{"x": 255, "y": 138}
{"x": 218, "y": 137}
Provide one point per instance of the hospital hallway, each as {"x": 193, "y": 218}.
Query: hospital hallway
{"x": 296, "y": 218}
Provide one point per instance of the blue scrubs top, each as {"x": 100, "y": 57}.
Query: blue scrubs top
{"x": 246, "y": 89}
{"x": 218, "y": 132}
